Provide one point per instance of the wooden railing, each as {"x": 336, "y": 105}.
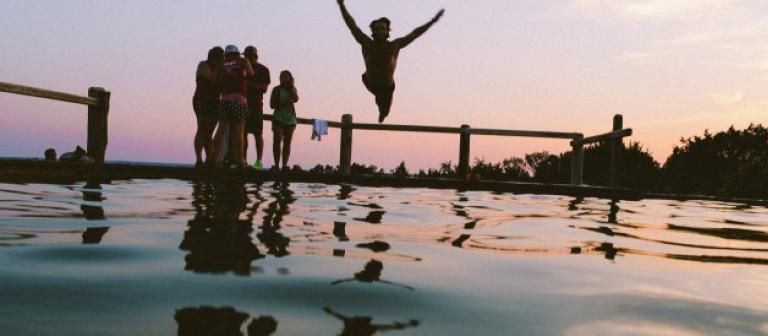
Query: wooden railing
{"x": 465, "y": 131}
{"x": 98, "y": 112}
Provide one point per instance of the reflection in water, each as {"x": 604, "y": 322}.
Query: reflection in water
{"x": 217, "y": 240}
{"x": 339, "y": 231}
{"x": 614, "y": 210}
{"x": 373, "y": 217}
{"x": 371, "y": 273}
{"x": 375, "y": 246}
{"x": 364, "y": 326}
{"x": 270, "y": 236}
{"x": 92, "y": 193}
{"x": 344, "y": 191}
{"x": 93, "y": 235}
{"x": 226, "y": 321}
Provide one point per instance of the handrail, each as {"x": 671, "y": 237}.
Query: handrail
{"x": 43, "y": 93}
{"x": 602, "y": 137}
{"x": 523, "y": 133}
{"x": 442, "y": 129}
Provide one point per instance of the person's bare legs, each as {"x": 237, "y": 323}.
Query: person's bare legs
{"x": 277, "y": 137}
{"x": 245, "y": 147}
{"x": 202, "y": 142}
{"x": 259, "y": 146}
{"x": 287, "y": 137}
{"x": 238, "y": 126}
{"x": 208, "y": 138}
{"x": 218, "y": 142}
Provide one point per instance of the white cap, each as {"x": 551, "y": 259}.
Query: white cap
{"x": 231, "y": 49}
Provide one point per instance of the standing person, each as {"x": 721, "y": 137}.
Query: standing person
{"x": 282, "y": 100}
{"x": 254, "y": 124}
{"x": 233, "y": 109}
{"x": 381, "y": 54}
{"x": 205, "y": 102}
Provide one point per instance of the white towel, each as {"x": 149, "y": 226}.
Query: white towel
{"x": 319, "y": 128}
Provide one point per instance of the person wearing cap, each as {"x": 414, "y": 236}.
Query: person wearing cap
{"x": 380, "y": 55}
{"x": 205, "y": 102}
{"x": 232, "y": 76}
{"x": 254, "y": 124}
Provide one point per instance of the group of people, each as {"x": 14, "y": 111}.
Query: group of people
{"x": 230, "y": 90}
{"x": 229, "y": 99}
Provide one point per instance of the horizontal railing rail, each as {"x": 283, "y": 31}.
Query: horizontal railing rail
{"x": 465, "y": 131}
{"x": 43, "y": 93}
{"x": 603, "y": 137}
{"x": 98, "y": 111}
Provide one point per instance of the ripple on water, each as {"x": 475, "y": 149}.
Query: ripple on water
{"x": 321, "y": 258}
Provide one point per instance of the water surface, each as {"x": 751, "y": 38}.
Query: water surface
{"x": 165, "y": 257}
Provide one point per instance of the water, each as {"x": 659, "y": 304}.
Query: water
{"x": 164, "y": 257}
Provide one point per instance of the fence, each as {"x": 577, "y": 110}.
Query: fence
{"x": 98, "y": 112}
{"x": 465, "y": 132}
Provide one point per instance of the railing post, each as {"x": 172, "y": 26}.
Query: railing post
{"x": 577, "y": 161}
{"x": 463, "y": 169}
{"x": 345, "y": 155}
{"x": 97, "y": 124}
{"x": 616, "y": 147}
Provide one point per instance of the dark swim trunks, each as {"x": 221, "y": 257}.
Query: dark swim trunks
{"x": 255, "y": 122}
{"x": 205, "y": 106}
{"x": 230, "y": 110}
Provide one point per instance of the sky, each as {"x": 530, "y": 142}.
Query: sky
{"x": 672, "y": 68}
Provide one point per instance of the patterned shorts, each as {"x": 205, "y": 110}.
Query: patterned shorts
{"x": 229, "y": 110}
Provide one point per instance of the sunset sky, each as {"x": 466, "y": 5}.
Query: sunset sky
{"x": 673, "y": 68}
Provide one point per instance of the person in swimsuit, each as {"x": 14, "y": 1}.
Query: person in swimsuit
{"x": 233, "y": 110}
{"x": 254, "y": 124}
{"x": 205, "y": 102}
{"x": 284, "y": 121}
{"x": 380, "y": 55}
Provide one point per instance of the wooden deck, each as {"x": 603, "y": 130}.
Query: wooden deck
{"x": 39, "y": 171}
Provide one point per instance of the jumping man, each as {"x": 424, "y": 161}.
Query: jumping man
{"x": 381, "y": 54}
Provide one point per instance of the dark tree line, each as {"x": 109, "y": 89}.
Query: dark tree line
{"x": 730, "y": 163}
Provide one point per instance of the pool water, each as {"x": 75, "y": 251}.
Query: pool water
{"x": 165, "y": 257}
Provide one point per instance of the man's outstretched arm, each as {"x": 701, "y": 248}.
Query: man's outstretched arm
{"x": 407, "y": 39}
{"x": 356, "y": 32}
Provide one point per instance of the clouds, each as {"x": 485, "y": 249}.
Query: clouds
{"x": 727, "y": 98}
{"x": 651, "y": 9}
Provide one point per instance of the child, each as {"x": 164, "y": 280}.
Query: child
{"x": 284, "y": 118}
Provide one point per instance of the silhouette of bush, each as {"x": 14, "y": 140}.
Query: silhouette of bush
{"x": 729, "y": 163}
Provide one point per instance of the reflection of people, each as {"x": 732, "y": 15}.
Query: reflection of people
{"x": 205, "y": 102}
{"x": 254, "y": 124}
{"x": 204, "y": 320}
{"x": 380, "y": 55}
{"x": 362, "y": 325}
{"x": 270, "y": 236}
{"x": 217, "y": 240}
{"x": 225, "y": 321}
{"x": 284, "y": 121}
{"x": 371, "y": 273}
{"x": 233, "y": 108}
{"x": 262, "y": 326}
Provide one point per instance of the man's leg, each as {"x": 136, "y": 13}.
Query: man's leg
{"x": 384, "y": 101}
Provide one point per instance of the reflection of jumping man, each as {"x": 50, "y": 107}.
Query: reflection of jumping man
{"x": 381, "y": 54}
{"x": 363, "y": 325}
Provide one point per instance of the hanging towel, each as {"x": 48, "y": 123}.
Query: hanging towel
{"x": 319, "y": 128}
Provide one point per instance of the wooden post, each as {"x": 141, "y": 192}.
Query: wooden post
{"x": 616, "y": 147}
{"x": 97, "y": 124}
{"x": 463, "y": 169}
{"x": 577, "y": 161}
{"x": 345, "y": 155}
